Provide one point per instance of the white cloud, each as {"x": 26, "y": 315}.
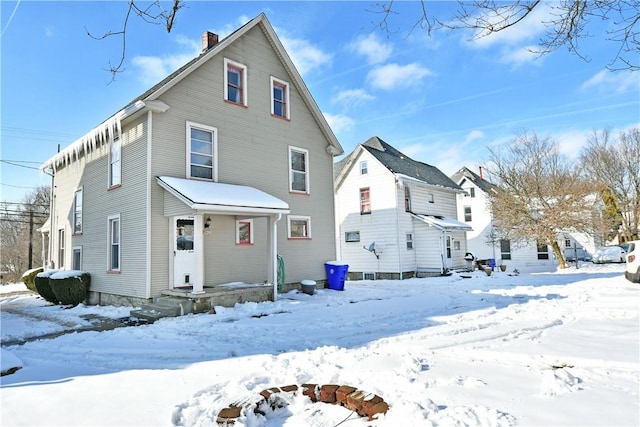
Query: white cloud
{"x": 391, "y": 76}
{"x": 304, "y": 55}
{"x": 608, "y": 81}
{"x": 48, "y": 31}
{"x": 152, "y": 69}
{"x": 530, "y": 28}
{"x": 339, "y": 122}
{"x": 351, "y": 97}
{"x": 522, "y": 55}
{"x": 473, "y": 135}
{"x": 231, "y": 27}
{"x": 372, "y": 48}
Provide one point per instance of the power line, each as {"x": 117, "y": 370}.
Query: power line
{"x": 19, "y": 165}
{"x": 18, "y": 186}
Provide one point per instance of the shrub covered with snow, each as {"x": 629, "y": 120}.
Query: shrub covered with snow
{"x": 29, "y": 276}
{"x": 70, "y": 287}
{"x": 42, "y": 286}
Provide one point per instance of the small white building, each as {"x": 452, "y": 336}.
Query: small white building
{"x": 397, "y": 216}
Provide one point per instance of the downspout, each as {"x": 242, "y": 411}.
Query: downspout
{"x": 47, "y": 263}
{"x": 274, "y": 258}
{"x": 148, "y": 206}
{"x": 398, "y": 182}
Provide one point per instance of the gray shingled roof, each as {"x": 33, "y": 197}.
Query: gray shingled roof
{"x": 401, "y": 164}
{"x": 468, "y": 174}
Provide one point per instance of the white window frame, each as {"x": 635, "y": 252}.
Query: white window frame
{"x": 228, "y": 63}
{"x": 306, "y": 170}
{"x": 214, "y": 149}
{"x": 61, "y": 247}
{"x": 115, "y": 161}
{"x": 291, "y": 218}
{"x": 352, "y": 236}
{"x": 467, "y": 213}
{"x": 409, "y": 237}
{"x": 77, "y": 211}
{"x": 114, "y": 219}
{"x": 285, "y": 93}
{"x": 238, "y": 224}
{"x": 365, "y": 202}
{"x": 73, "y": 257}
{"x": 364, "y": 170}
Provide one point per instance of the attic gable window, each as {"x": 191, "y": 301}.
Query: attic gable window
{"x": 363, "y": 168}
{"x": 202, "y": 149}
{"x": 472, "y": 192}
{"x": 235, "y": 82}
{"x": 280, "y": 98}
{"x": 298, "y": 170}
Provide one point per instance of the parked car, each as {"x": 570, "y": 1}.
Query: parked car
{"x": 570, "y": 255}
{"x": 605, "y": 254}
{"x": 632, "y": 273}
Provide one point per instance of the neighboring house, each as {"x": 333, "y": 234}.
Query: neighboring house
{"x": 396, "y": 215}
{"x": 201, "y": 181}
{"x": 484, "y": 241}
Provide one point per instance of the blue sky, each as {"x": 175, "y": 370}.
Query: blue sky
{"x": 441, "y": 99}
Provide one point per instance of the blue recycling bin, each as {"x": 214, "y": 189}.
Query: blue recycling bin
{"x": 336, "y": 274}
{"x": 492, "y": 263}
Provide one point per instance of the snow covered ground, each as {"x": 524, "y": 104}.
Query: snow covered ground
{"x": 540, "y": 348}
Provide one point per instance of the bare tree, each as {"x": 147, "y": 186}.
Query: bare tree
{"x": 152, "y": 13}
{"x": 19, "y": 223}
{"x": 615, "y": 167}
{"x": 540, "y": 193}
{"x": 567, "y": 23}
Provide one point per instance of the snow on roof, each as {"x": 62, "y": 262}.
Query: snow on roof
{"x": 216, "y": 196}
{"x": 443, "y": 223}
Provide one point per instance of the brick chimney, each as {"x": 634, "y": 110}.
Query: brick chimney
{"x": 209, "y": 40}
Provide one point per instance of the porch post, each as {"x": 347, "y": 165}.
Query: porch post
{"x": 198, "y": 248}
{"x": 272, "y": 252}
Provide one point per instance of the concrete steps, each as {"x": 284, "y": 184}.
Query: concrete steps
{"x": 165, "y": 306}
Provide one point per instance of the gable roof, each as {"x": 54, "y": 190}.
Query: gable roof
{"x": 468, "y": 174}
{"x": 149, "y": 99}
{"x": 403, "y": 165}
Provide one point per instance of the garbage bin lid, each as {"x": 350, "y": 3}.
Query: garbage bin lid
{"x": 336, "y": 263}
{"x": 308, "y": 282}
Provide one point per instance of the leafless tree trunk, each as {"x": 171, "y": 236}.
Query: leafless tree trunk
{"x": 540, "y": 193}
{"x": 615, "y": 167}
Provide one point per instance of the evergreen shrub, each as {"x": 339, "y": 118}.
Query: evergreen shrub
{"x": 42, "y": 286}
{"x": 29, "y": 276}
{"x": 71, "y": 288}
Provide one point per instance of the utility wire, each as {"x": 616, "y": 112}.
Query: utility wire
{"x": 19, "y": 165}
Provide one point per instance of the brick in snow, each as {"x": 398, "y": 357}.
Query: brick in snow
{"x": 328, "y": 393}
{"x": 354, "y": 401}
{"x": 309, "y": 390}
{"x": 342, "y": 392}
{"x": 289, "y": 388}
{"x": 378, "y": 408}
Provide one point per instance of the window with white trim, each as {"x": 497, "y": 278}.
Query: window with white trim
{"x": 77, "y": 258}
{"x": 409, "y": 241}
{"x": 244, "y": 232}
{"x": 363, "y": 168}
{"x": 352, "y": 236}
{"x": 298, "y": 227}
{"x": 279, "y": 98}
{"x": 114, "y": 243}
{"x": 202, "y": 152}
{"x": 298, "y": 170}
{"x": 77, "y": 211}
{"x": 467, "y": 214}
{"x": 61, "y": 246}
{"x": 407, "y": 199}
{"x": 472, "y": 192}
{"x": 543, "y": 250}
{"x": 235, "y": 82}
{"x": 115, "y": 161}
{"x": 505, "y": 249}
{"x": 365, "y": 201}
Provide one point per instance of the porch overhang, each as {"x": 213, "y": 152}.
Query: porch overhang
{"x": 443, "y": 223}
{"x": 219, "y": 198}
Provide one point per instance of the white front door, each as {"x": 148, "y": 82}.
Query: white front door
{"x": 184, "y": 258}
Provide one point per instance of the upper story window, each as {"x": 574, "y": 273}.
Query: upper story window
{"x": 472, "y": 192}
{"x": 407, "y": 199}
{"x": 77, "y": 211}
{"x": 365, "y": 201}
{"x": 467, "y": 213}
{"x": 244, "y": 232}
{"x": 299, "y": 227}
{"x": 235, "y": 82}
{"x": 115, "y": 161}
{"x": 363, "y": 168}
{"x": 280, "y": 98}
{"x": 298, "y": 170}
{"x": 114, "y": 243}
{"x": 430, "y": 198}
{"x": 202, "y": 149}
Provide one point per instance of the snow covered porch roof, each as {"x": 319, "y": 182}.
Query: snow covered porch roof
{"x": 216, "y": 197}
{"x": 443, "y": 223}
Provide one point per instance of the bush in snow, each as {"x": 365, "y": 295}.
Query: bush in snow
{"x": 29, "y": 276}
{"x": 42, "y": 286}
{"x": 70, "y": 287}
